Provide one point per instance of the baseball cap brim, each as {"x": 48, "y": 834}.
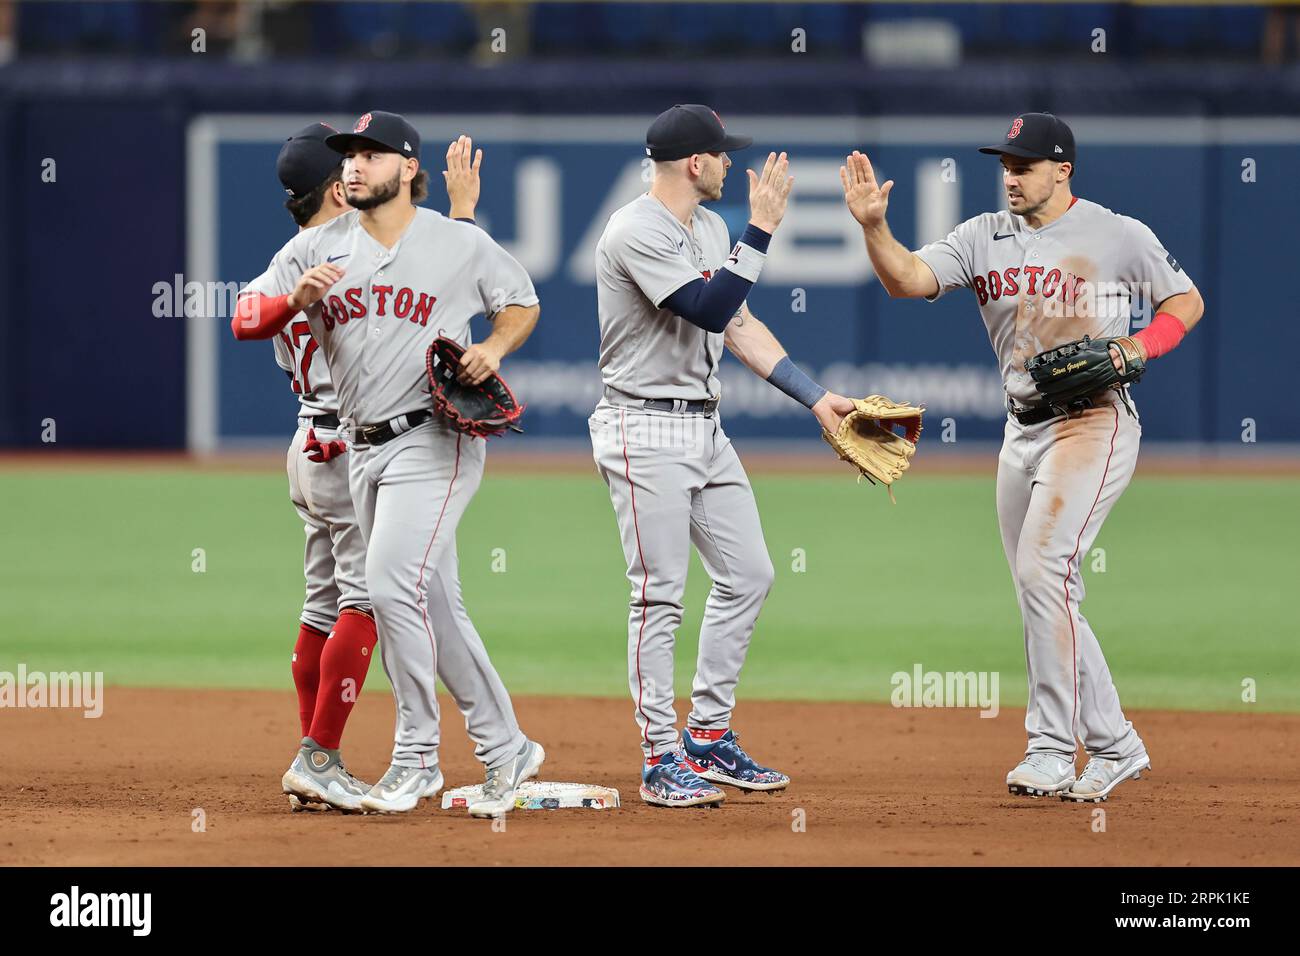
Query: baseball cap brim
{"x": 733, "y": 143}
{"x": 342, "y": 142}
{"x": 1012, "y": 151}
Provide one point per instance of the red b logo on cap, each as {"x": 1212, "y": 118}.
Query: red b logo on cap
{"x": 365, "y": 121}
{"x": 1012, "y": 133}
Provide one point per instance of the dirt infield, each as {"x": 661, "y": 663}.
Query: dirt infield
{"x": 875, "y": 786}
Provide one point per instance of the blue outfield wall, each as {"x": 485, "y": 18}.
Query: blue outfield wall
{"x": 133, "y": 206}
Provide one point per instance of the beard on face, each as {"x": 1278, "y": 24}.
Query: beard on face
{"x": 711, "y": 186}
{"x": 379, "y": 195}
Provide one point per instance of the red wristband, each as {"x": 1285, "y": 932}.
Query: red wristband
{"x": 1162, "y": 335}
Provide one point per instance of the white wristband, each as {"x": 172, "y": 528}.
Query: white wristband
{"x": 746, "y": 262}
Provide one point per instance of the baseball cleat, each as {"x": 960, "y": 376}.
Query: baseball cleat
{"x": 1041, "y": 775}
{"x": 723, "y": 761}
{"x": 1101, "y": 776}
{"x": 317, "y": 776}
{"x": 673, "y": 783}
{"x": 298, "y": 805}
{"x": 401, "y": 789}
{"x": 499, "y": 787}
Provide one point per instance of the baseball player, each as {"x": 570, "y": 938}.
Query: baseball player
{"x": 1048, "y": 270}
{"x": 410, "y": 476}
{"x": 336, "y": 634}
{"x": 671, "y": 293}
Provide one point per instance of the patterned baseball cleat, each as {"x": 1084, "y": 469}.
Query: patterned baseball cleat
{"x": 1041, "y": 775}
{"x": 499, "y": 787}
{"x": 317, "y": 779}
{"x": 672, "y": 783}
{"x": 401, "y": 789}
{"x": 723, "y": 761}
{"x": 1101, "y": 776}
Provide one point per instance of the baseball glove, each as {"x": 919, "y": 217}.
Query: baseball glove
{"x": 866, "y": 438}
{"x": 1079, "y": 369}
{"x": 483, "y": 410}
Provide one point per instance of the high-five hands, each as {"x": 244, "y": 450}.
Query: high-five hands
{"x": 866, "y": 200}
{"x": 769, "y": 192}
{"x": 462, "y": 177}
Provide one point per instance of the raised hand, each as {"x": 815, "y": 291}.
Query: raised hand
{"x": 769, "y": 191}
{"x": 866, "y": 200}
{"x": 461, "y": 177}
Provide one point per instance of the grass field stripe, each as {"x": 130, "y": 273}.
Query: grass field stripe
{"x": 645, "y": 579}
{"x": 419, "y": 583}
{"x": 1074, "y": 644}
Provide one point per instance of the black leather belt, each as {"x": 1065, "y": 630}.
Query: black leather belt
{"x": 384, "y": 432}
{"x": 1042, "y": 413}
{"x": 701, "y": 407}
{"x": 329, "y": 420}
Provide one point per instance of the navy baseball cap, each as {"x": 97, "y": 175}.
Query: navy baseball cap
{"x": 388, "y": 131}
{"x": 305, "y": 161}
{"x": 688, "y": 129}
{"x": 1036, "y": 136}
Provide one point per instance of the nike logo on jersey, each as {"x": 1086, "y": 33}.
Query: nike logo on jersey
{"x": 996, "y": 237}
{"x": 333, "y": 258}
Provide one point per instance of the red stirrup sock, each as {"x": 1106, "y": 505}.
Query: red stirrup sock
{"x": 306, "y": 671}
{"x": 343, "y": 668}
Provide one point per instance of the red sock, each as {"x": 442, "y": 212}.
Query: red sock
{"x": 700, "y": 736}
{"x": 343, "y": 667}
{"x": 306, "y": 671}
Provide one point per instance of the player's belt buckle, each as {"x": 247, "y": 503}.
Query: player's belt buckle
{"x": 1036, "y": 414}
{"x": 683, "y": 406}
{"x": 385, "y": 432}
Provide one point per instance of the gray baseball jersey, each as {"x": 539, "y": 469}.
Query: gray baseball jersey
{"x": 298, "y": 354}
{"x": 1058, "y": 480}
{"x": 375, "y": 324}
{"x": 1041, "y": 288}
{"x": 643, "y": 257}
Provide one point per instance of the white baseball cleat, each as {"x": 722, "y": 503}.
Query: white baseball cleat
{"x": 499, "y": 787}
{"x": 317, "y": 777}
{"x": 1101, "y": 776}
{"x": 1041, "y": 775}
{"x": 401, "y": 789}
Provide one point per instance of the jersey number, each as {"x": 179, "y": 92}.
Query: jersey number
{"x": 301, "y": 362}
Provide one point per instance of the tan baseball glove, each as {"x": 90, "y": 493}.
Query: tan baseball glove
{"x": 866, "y": 438}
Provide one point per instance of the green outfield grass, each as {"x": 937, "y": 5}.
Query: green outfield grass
{"x": 96, "y": 574}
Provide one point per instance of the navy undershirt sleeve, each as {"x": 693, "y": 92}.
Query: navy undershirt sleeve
{"x": 710, "y": 304}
